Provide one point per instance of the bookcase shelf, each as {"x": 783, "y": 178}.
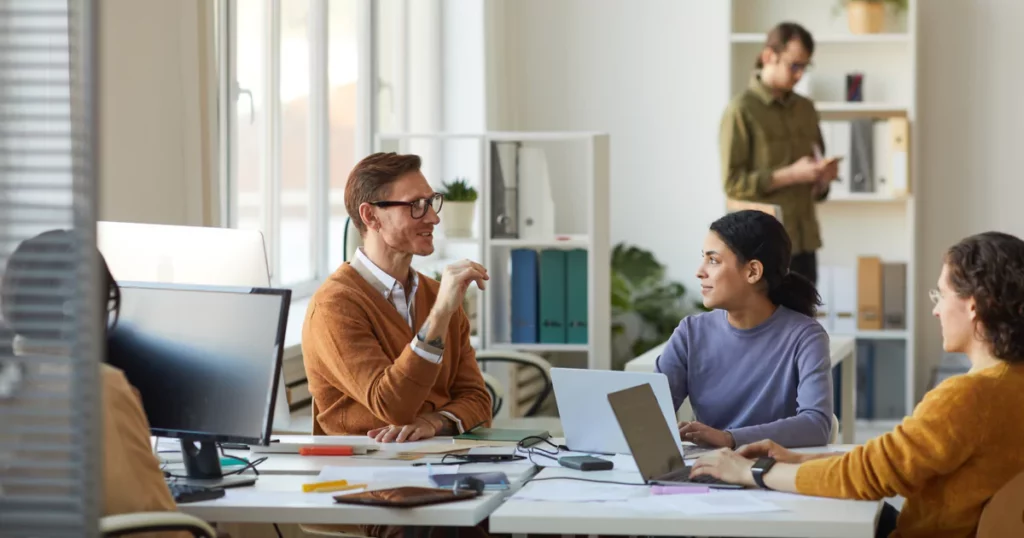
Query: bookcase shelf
{"x": 853, "y": 224}
{"x": 577, "y": 165}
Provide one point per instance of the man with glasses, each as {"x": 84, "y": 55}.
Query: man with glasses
{"x": 386, "y": 349}
{"x": 771, "y": 145}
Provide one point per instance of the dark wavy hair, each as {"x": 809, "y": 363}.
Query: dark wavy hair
{"x": 39, "y": 278}
{"x": 755, "y": 235}
{"x": 990, "y": 268}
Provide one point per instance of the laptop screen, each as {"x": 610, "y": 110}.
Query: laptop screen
{"x": 654, "y": 445}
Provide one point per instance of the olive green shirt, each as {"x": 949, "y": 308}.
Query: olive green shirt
{"x": 760, "y": 134}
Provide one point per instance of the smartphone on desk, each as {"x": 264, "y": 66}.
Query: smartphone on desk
{"x": 405, "y": 497}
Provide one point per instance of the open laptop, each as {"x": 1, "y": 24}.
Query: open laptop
{"x": 653, "y": 443}
{"x": 587, "y": 420}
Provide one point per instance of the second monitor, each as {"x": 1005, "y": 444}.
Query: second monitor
{"x": 206, "y": 363}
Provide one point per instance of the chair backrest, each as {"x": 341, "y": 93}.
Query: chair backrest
{"x": 835, "y": 430}
{"x": 1004, "y": 513}
{"x": 352, "y": 240}
{"x": 497, "y": 391}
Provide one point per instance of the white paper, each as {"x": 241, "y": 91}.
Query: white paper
{"x": 579, "y": 491}
{"x": 375, "y": 475}
{"x": 738, "y": 502}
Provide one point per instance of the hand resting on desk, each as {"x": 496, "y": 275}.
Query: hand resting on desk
{"x": 424, "y": 427}
{"x": 704, "y": 435}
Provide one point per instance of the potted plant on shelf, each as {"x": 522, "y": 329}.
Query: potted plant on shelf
{"x": 868, "y": 16}
{"x": 459, "y": 208}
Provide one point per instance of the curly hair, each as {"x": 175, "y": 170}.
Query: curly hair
{"x": 989, "y": 267}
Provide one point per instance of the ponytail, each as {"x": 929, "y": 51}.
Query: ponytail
{"x": 796, "y": 293}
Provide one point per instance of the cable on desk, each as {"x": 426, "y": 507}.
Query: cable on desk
{"x": 580, "y": 479}
{"x": 278, "y": 530}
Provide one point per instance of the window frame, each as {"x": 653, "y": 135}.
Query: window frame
{"x": 318, "y": 146}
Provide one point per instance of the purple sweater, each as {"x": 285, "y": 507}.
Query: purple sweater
{"x": 770, "y": 382}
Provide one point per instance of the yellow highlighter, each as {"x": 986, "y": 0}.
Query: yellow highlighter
{"x": 307, "y": 488}
{"x": 332, "y": 489}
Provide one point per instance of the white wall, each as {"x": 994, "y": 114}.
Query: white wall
{"x": 157, "y": 149}
{"x": 648, "y": 73}
{"x": 653, "y": 75}
{"x": 969, "y": 136}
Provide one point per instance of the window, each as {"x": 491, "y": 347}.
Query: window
{"x": 296, "y": 78}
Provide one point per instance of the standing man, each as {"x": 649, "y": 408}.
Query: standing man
{"x": 771, "y": 145}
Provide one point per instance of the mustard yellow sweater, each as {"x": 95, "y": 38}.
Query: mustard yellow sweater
{"x": 964, "y": 441}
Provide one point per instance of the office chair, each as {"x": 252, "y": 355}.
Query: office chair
{"x": 127, "y": 524}
{"x": 528, "y": 360}
{"x": 497, "y": 391}
{"x": 835, "y": 430}
{"x": 352, "y": 240}
{"x": 1002, "y": 514}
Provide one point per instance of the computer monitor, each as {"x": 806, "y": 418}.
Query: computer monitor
{"x": 202, "y": 255}
{"x": 183, "y": 254}
{"x": 206, "y": 361}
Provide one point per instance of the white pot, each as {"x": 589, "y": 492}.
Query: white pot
{"x": 457, "y": 218}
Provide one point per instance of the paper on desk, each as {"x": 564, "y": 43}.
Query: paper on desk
{"x": 493, "y": 450}
{"x": 373, "y": 475}
{"x": 577, "y": 492}
{"x": 732, "y": 502}
{"x": 434, "y": 448}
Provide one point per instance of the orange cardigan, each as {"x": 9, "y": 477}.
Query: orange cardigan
{"x": 362, "y": 371}
{"x": 962, "y": 444}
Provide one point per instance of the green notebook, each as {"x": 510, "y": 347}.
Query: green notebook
{"x": 503, "y": 436}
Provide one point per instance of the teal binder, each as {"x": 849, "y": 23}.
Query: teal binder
{"x": 576, "y": 296}
{"x": 552, "y": 297}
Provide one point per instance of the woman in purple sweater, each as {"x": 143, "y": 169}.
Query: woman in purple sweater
{"x": 757, "y": 366}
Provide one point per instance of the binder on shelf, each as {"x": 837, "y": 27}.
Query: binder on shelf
{"x": 552, "y": 297}
{"x": 536, "y": 207}
{"x": 504, "y": 190}
{"x": 576, "y": 296}
{"x": 894, "y": 295}
{"x": 899, "y": 156}
{"x": 862, "y": 154}
{"x": 869, "y": 293}
{"x": 882, "y": 168}
{"x": 844, "y": 295}
{"x": 841, "y": 148}
{"x": 524, "y": 296}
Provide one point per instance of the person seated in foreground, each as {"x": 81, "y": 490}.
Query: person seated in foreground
{"x": 757, "y": 366}
{"x": 386, "y": 349}
{"x": 963, "y": 441}
{"x": 132, "y": 479}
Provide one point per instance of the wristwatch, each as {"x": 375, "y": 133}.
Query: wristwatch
{"x": 761, "y": 467}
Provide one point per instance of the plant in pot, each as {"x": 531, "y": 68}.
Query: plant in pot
{"x": 646, "y": 308}
{"x": 459, "y": 208}
{"x": 868, "y": 16}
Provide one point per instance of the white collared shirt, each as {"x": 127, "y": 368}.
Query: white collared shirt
{"x": 395, "y": 294}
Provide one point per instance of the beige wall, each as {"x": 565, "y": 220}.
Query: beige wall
{"x": 969, "y": 136}
{"x": 157, "y": 161}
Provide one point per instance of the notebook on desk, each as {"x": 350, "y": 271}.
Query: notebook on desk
{"x": 500, "y": 436}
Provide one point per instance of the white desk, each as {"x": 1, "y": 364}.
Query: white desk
{"x": 842, "y": 351}
{"x": 279, "y": 499}
{"x": 803, "y": 516}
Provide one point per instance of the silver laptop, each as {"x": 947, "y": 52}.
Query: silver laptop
{"x": 587, "y": 419}
{"x": 654, "y": 446}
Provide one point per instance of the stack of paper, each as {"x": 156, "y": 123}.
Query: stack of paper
{"x": 578, "y": 491}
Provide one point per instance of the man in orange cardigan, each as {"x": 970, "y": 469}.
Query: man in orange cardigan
{"x": 386, "y": 349}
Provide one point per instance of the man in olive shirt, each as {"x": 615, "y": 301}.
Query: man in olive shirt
{"x": 768, "y": 140}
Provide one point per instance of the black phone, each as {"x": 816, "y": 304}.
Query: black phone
{"x": 585, "y": 463}
{"x": 405, "y": 497}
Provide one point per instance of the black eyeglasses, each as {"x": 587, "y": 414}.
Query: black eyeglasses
{"x": 417, "y": 208}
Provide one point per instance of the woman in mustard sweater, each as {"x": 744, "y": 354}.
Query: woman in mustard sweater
{"x": 963, "y": 441}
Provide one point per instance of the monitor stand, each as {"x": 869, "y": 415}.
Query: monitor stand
{"x": 202, "y": 467}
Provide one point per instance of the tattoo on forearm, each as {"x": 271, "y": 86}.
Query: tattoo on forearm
{"x": 436, "y": 342}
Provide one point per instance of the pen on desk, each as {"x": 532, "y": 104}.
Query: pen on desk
{"x": 332, "y": 489}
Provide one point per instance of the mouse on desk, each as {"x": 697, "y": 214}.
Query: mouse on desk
{"x": 469, "y": 483}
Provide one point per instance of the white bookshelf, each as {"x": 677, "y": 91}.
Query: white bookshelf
{"x": 853, "y": 223}
{"x": 578, "y": 171}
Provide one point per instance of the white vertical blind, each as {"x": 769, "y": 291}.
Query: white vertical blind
{"x": 50, "y": 425}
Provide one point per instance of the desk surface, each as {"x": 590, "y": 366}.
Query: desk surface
{"x": 802, "y": 516}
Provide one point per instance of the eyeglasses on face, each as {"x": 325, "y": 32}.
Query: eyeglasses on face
{"x": 417, "y": 208}
{"x": 935, "y": 295}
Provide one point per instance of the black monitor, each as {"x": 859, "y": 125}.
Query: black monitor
{"x": 206, "y": 361}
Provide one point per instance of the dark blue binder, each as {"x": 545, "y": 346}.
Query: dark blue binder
{"x": 524, "y": 296}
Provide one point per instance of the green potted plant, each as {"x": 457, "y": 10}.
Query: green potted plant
{"x": 459, "y": 208}
{"x": 868, "y": 16}
{"x": 646, "y": 308}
